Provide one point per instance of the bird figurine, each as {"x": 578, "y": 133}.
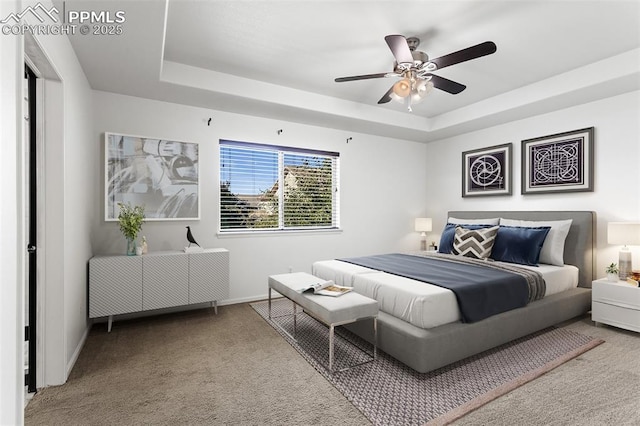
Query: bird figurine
{"x": 190, "y": 238}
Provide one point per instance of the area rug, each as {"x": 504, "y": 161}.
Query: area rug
{"x": 388, "y": 392}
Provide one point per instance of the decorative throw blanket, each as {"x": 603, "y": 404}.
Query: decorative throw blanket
{"x": 482, "y": 288}
{"x": 537, "y": 285}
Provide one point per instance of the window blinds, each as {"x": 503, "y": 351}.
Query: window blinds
{"x": 266, "y": 187}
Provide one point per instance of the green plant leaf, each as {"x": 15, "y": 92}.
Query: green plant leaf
{"x": 130, "y": 219}
{"x": 612, "y": 269}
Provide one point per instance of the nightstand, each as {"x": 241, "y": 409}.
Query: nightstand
{"x": 615, "y": 303}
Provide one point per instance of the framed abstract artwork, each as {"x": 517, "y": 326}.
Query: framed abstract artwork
{"x": 558, "y": 163}
{"x": 161, "y": 175}
{"x": 487, "y": 171}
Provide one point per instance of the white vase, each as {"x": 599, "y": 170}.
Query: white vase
{"x": 612, "y": 277}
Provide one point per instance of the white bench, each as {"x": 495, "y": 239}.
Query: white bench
{"x": 331, "y": 311}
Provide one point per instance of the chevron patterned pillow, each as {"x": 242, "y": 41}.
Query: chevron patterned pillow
{"x": 475, "y": 243}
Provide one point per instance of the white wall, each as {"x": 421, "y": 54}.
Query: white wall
{"x": 383, "y": 187}
{"x": 616, "y": 195}
{"x": 11, "y": 305}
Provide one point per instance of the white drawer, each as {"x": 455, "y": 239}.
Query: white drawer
{"x": 618, "y": 316}
{"x": 621, "y": 294}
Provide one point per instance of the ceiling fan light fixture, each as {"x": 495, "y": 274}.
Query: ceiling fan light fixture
{"x": 428, "y": 67}
{"x": 415, "y": 68}
{"x": 421, "y": 90}
{"x": 396, "y": 98}
{"x": 402, "y": 88}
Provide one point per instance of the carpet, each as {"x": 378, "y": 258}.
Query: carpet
{"x": 389, "y": 393}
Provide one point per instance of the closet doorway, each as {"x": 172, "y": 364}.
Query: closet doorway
{"x": 31, "y": 213}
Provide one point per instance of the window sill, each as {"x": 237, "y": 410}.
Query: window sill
{"x": 278, "y": 232}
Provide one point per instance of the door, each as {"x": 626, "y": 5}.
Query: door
{"x": 31, "y": 213}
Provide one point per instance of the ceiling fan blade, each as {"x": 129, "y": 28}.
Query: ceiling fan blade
{"x": 362, "y": 77}
{"x": 473, "y": 52}
{"x": 399, "y": 48}
{"x": 386, "y": 97}
{"x": 447, "y": 85}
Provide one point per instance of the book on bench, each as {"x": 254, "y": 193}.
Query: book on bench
{"x": 325, "y": 288}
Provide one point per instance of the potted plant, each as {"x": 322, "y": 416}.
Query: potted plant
{"x": 130, "y": 219}
{"x": 612, "y": 272}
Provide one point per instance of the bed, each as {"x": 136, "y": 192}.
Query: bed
{"x": 432, "y": 333}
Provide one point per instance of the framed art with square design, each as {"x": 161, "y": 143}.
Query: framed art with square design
{"x": 562, "y": 162}
{"x": 159, "y": 174}
{"x": 487, "y": 171}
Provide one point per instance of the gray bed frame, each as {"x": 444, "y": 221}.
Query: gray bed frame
{"x": 428, "y": 349}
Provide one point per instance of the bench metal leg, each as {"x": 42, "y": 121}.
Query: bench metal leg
{"x": 295, "y": 319}
{"x": 295, "y": 314}
{"x": 331, "y": 335}
{"x": 374, "y": 355}
{"x": 332, "y": 330}
{"x": 375, "y": 338}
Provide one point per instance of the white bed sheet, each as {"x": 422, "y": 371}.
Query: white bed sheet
{"x": 421, "y": 304}
{"x": 557, "y": 278}
{"x": 342, "y": 273}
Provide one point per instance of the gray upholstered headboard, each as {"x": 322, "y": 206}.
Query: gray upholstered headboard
{"x": 580, "y": 245}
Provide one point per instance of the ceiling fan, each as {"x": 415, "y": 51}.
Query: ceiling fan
{"x": 415, "y": 68}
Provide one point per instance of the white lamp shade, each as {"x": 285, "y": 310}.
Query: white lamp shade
{"x": 624, "y": 233}
{"x": 423, "y": 224}
{"x": 402, "y": 88}
{"x": 421, "y": 91}
{"x": 397, "y": 98}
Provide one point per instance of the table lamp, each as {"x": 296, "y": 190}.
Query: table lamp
{"x": 625, "y": 234}
{"x": 423, "y": 225}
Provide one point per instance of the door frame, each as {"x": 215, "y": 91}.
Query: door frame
{"x": 34, "y": 57}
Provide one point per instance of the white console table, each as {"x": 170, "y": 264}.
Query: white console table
{"x": 126, "y": 284}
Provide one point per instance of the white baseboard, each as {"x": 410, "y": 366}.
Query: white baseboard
{"x": 249, "y": 299}
{"x": 154, "y": 312}
{"x": 76, "y": 353}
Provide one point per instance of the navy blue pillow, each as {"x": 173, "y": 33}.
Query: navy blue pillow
{"x": 448, "y": 233}
{"x": 519, "y": 244}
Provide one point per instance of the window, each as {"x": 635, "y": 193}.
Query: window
{"x": 266, "y": 187}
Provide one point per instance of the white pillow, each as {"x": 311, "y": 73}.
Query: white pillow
{"x": 492, "y": 221}
{"x": 552, "y": 251}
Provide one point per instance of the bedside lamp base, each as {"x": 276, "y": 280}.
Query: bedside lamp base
{"x": 624, "y": 263}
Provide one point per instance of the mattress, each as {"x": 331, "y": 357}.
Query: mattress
{"x": 421, "y": 304}
{"x": 342, "y": 273}
{"x": 557, "y": 278}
